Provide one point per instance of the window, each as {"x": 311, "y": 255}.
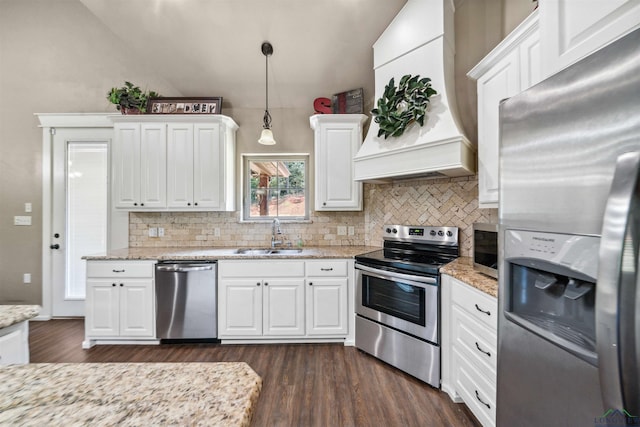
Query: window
{"x": 275, "y": 187}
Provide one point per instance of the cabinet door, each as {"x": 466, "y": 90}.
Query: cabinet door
{"x": 180, "y": 165}
{"x": 208, "y": 167}
{"x": 153, "y": 165}
{"x": 14, "y": 347}
{"x": 125, "y": 161}
{"x": 136, "y": 302}
{"x": 283, "y": 307}
{"x": 573, "y": 29}
{"x": 502, "y": 81}
{"x": 240, "y": 307}
{"x": 530, "y": 61}
{"x": 326, "y": 306}
{"x": 102, "y": 316}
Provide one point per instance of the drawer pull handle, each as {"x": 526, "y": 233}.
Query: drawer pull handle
{"x": 326, "y": 269}
{"x": 480, "y": 400}
{"x": 487, "y": 312}
{"x": 118, "y": 271}
{"x": 481, "y": 350}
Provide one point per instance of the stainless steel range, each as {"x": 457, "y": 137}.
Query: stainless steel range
{"x": 398, "y": 298}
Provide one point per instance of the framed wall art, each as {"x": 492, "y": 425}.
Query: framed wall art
{"x": 198, "y": 105}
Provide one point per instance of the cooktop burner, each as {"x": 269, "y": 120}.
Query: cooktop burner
{"x": 418, "y": 249}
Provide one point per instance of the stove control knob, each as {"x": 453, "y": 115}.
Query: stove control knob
{"x": 388, "y": 230}
{"x": 432, "y": 232}
{"x": 394, "y": 231}
{"x": 440, "y": 233}
{"x": 449, "y": 233}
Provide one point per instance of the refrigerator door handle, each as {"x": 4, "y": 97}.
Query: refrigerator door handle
{"x": 616, "y": 290}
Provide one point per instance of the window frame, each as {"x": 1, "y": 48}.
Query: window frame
{"x": 246, "y": 185}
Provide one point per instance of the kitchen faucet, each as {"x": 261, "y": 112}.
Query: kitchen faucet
{"x": 275, "y": 229}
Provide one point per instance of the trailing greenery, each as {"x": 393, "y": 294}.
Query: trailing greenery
{"x": 399, "y": 107}
{"x": 130, "y": 97}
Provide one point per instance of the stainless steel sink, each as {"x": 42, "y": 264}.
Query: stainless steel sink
{"x": 252, "y": 251}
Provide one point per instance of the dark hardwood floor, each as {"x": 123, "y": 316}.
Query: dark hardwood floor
{"x": 303, "y": 384}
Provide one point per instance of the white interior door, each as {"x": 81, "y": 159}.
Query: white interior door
{"x": 80, "y": 212}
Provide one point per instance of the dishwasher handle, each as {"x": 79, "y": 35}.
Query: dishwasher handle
{"x": 184, "y": 268}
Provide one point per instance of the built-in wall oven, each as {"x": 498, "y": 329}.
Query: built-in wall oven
{"x": 398, "y": 298}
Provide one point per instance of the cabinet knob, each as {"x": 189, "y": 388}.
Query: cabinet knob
{"x": 195, "y": 204}
{"x": 324, "y": 203}
{"x": 141, "y": 204}
{"x": 113, "y": 284}
{"x": 266, "y": 283}
{"x": 121, "y": 284}
{"x": 135, "y": 204}
{"x": 310, "y": 283}
{"x": 258, "y": 284}
{"x": 188, "y": 204}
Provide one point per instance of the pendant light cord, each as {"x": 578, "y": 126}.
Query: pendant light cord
{"x": 267, "y": 116}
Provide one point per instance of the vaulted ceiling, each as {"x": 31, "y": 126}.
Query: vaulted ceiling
{"x": 212, "y": 47}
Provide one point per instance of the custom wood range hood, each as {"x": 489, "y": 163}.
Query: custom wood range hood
{"x": 418, "y": 41}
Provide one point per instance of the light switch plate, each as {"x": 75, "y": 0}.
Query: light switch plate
{"x": 28, "y": 207}
{"x": 21, "y": 220}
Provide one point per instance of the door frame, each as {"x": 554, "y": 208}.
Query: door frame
{"x": 118, "y": 234}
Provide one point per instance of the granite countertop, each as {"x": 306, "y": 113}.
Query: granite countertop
{"x": 128, "y": 394}
{"x": 12, "y": 314}
{"x": 462, "y": 269}
{"x": 216, "y": 253}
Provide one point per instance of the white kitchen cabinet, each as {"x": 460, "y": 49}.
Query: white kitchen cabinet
{"x": 139, "y": 165}
{"x": 259, "y": 298}
{"x": 326, "y": 306}
{"x": 513, "y": 66}
{"x": 337, "y": 140}
{"x": 120, "y": 303}
{"x": 573, "y": 29}
{"x": 14, "y": 344}
{"x": 185, "y": 163}
{"x": 469, "y": 347}
{"x": 283, "y": 299}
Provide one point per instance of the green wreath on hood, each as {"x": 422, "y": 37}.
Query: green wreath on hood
{"x": 400, "y": 107}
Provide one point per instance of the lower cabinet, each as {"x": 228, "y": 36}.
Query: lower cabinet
{"x": 14, "y": 344}
{"x": 282, "y": 299}
{"x": 120, "y": 301}
{"x": 469, "y": 347}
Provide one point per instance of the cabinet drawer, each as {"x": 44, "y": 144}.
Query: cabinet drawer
{"x": 475, "y": 340}
{"x": 261, "y": 269}
{"x": 327, "y": 268}
{"x": 479, "y": 305}
{"x": 120, "y": 269}
{"x": 477, "y": 393}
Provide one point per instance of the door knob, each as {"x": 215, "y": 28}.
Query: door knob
{"x": 55, "y": 246}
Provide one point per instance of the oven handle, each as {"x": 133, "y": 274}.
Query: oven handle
{"x": 386, "y": 275}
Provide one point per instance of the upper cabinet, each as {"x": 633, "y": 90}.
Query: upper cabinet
{"x": 513, "y": 66}
{"x": 174, "y": 163}
{"x": 571, "y": 30}
{"x": 337, "y": 140}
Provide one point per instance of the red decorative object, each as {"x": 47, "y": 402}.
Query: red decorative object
{"x": 322, "y": 105}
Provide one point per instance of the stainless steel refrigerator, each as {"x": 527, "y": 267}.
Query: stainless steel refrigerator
{"x": 569, "y": 298}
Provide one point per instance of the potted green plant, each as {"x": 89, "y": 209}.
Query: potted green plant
{"x": 130, "y": 99}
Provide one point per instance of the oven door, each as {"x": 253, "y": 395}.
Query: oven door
{"x": 405, "y": 302}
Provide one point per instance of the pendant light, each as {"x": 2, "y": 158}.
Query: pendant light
{"x": 266, "y": 137}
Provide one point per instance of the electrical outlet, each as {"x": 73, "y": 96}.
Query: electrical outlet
{"x": 153, "y": 232}
{"x": 216, "y": 232}
{"x": 160, "y": 232}
{"x": 352, "y": 230}
{"x": 26, "y": 278}
{"x": 342, "y": 230}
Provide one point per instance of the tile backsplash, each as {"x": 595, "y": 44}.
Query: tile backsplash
{"x": 443, "y": 201}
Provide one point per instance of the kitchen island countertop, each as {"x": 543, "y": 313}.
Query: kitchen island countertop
{"x": 216, "y": 253}
{"x": 462, "y": 269}
{"x": 128, "y": 394}
{"x": 12, "y": 314}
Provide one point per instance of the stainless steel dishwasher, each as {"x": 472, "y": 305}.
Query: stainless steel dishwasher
{"x": 186, "y": 300}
